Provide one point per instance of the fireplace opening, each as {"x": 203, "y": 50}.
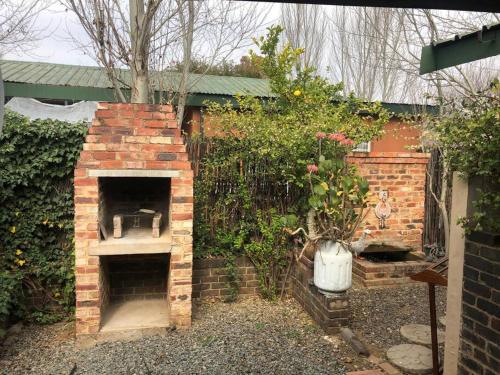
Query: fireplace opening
{"x": 134, "y": 291}
{"x": 133, "y": 207}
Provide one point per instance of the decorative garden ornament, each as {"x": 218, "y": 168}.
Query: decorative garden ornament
{"x": 357, "y": 247}
{"x": 383, "y": 209}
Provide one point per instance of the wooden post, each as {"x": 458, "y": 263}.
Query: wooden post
{"x": 459, "y": 202}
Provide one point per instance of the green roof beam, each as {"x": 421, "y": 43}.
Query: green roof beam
{"x": 75, "y": 93}
{"x": 461, "y": 49}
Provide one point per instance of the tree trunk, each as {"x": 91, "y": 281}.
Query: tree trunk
{"x": 139, "y": 51}
{"x": 442, "y": 206}
{"x": 188, "y": 28}
{"x": 2, "y": 100}
{"x": 140, "y": 87}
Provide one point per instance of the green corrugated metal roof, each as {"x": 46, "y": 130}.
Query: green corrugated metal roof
{"x": 39, "y": 73}
{"x": 72, "y": 82}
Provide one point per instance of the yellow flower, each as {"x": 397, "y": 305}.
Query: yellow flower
{"x": 324, "y": 185}
{"x": 297, "y": 92}
{"x": 339, "y": 193}
{"x": 20, "y": 262}
{"x": 19, "y": 252}
{"x": 12, "y": 229}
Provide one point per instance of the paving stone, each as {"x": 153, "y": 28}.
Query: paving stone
{"x": 366, "y": 372}
{"x": 411, "y": 358}
{"x": 442, "y": 320}
{"x": 420, "y": 334}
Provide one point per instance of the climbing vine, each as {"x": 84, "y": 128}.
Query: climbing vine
{"x": 37, "y": 159}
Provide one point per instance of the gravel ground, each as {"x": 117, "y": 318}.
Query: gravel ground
{"x": 378, "y": 314}
{"x": 251, "y": 336}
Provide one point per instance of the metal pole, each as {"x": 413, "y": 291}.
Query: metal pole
{"x": 432, "y": 306}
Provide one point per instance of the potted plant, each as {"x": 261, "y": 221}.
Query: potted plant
{"x": 337, "y": 201}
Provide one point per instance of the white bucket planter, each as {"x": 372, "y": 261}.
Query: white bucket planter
{"x": 332, "y": 267}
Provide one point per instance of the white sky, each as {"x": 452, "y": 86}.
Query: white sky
{"x": 57, "y": 46}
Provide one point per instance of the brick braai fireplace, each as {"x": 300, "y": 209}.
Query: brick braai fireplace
{"x": 133, "y": 221}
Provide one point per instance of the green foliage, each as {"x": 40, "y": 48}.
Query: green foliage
{"x": 470, "y": 138}
{"x": 234, "y": 278}
{"x": 268, "y": 251}
{"x": 37, "y": 160}
{"x": 245, "y": 68}
{"x": 45, "y": 317}
{"x": 257, "y": 159}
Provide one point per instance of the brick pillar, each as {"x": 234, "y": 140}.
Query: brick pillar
{"x": 181, "y": 264}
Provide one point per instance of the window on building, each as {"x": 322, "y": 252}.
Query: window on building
{"x": 363, "y": 147}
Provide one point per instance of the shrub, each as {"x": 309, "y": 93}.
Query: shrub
{"x": 268, "y": 251}
{"x": 37, "y": 159}
{"x": 469, "y": 136}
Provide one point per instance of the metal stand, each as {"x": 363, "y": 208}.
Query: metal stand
{"x": 437, "y": 274}
{"x": 434, "y": 340}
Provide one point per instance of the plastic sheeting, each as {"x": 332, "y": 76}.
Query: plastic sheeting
{"x": 81, "y": 111}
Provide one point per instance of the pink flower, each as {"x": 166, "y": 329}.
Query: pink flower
{"x": 320, "y": 135}
{"x": 312, "y": 168}
{"x": 347, "y": 142}
{"x": 339, "y": 137}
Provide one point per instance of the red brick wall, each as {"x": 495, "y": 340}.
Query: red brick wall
{"x": 211, "y": 278}
{"x": 398, "y": 137}
{"x": 403, "y": 176}
{"x": 132, "y": 137}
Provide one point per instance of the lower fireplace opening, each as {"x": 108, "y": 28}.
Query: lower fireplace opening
{"x": 134, "y": 291}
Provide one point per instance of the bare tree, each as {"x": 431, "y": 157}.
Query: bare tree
{"x": 149, "y": 38}
{"x": 120, "y": 36}
{"x": 419, "y": 28}
{"x": 17, "y": 30}
{"x": 187, "y": 25}
{"x": 209, "y": 31}
{"x": 363, "y": 60}
{"x": 305, "y": 27}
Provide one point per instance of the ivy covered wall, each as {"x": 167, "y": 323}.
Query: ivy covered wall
{"x": 37, "y": 159}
